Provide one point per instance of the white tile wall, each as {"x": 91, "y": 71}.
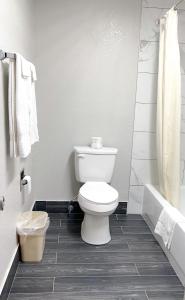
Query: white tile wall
{"x": 144, "y": 165}
{"x": 145, "y": 117}
{"x": 183, "y": 146}
{"x": 146, "y": 88}
{"x": 144, "y": 145}
{"x": 135, "y": 199}
{"x": 183, "y": 88}
{"x": 143, "y": 171}
{"x": 183, "y": 172}
{"x": 161, "y": 4}
{"x": 181, "y": 14}
{"x": 183, "y": 119}
{"x": 182, "y": 54}
{"x": 149, "y": 25}
{"x": 148, "y": 57}
{"x": 150, "y": 28}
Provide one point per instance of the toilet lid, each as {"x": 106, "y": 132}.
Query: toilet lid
{"x": 99, "y": 192}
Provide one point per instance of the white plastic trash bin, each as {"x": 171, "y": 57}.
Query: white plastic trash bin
{"x": 31, "y": 228}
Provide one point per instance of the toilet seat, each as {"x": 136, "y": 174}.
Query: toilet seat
{"x": 99, "y": 193}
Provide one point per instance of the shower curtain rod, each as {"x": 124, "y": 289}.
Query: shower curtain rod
{"x": 177, "y": 4}
{"x": 4, "y": 55}
{"x": 175, "y": 7}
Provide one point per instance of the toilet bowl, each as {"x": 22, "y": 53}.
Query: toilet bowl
{"x": 94, "y": 168}
{"x": 98, "y": 200}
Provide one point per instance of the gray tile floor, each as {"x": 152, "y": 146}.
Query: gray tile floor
{"x": 131, "y": 267}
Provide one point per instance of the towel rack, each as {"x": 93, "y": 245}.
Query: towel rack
{"x": 4, "y": 55}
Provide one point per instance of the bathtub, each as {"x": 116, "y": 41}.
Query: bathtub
{"x": 153, "y": 203}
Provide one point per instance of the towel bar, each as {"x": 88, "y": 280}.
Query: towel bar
{"x": 4, "y": 55}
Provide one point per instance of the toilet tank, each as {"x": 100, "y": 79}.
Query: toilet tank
{"x": 94, "y": 164}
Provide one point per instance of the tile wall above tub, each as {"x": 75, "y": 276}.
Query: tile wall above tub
{"x": 143, "y": 163}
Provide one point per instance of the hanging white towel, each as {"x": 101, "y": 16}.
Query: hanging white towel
{"x": 26, "y": 114}
{"x": 22, "y": 107}
{"x": 11, "y": 108}
{"x": 166, "y": 224}
{"x": 34, "y": 137}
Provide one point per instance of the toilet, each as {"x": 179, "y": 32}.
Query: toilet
{"x": 97, "y": 199}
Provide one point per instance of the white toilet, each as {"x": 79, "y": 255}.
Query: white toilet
{"x": 98, "y": 200}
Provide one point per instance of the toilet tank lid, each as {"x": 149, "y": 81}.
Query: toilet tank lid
{"x": 90, "y": 150}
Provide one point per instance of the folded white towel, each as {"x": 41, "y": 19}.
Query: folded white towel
{"x": 25, "y": 67}
{"x": 166, "y": 224}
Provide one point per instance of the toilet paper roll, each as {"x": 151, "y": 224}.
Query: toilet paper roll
{"x": 96, "y": 142}
{"x": 27, "y": 184}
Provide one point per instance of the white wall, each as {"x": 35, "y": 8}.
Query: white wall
{"x": 87, "y": 54}
{"x": 16, "y": 35}
{"x": 144, "y": 165}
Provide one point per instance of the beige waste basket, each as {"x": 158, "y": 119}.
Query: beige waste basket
{"x": 31, "y": 228}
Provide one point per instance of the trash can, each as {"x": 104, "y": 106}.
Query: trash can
{"x": 31, "y": 228}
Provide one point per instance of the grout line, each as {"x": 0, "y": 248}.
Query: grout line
{"x": 146, "y": 295}
{"x": 146, "y": 72}
{"x": 92, "y": 292}
{"x": 157, "y": 41}
{"x": 143, "y": 131}
{"x": 34, "y": 277}
{"x": 117, "y": 263}
{"x": 147, "y": 103}
{"x": 160, "y": 8}
{"x": 54, "y": 284}
{"x": 137, "y": 269}
{"x": 126, "y": 251}
{"x": 99, "y": 276}
{"x": 135, "y": 98}
{"x": 144, "y": 158}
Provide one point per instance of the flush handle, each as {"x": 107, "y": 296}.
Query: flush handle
{"x": 81, "y": 155}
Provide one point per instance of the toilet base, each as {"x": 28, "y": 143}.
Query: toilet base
{"x": 95, "y": 229}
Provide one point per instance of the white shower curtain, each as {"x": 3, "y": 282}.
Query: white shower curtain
{"x": 169, "y": 109}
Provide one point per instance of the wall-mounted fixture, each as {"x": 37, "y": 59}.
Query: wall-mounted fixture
{"x": 25, "y": 182}
{"x": 2, "y": 203}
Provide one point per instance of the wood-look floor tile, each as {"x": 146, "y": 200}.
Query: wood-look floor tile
{"x": 134, "y": 237}
{"x": 34, "y": 285}
{"x": 56, "y": 270}
{"x": 52, "y": 237}
{"x": 165, "y": 295}
{"x": 117, "y": 284}
{"x": 129, "y": 217}
{"x": 144, "y": 246}
{"x": 155, "y": 269}
{"x": 111, "y": 257}
{"x": 124, "y": 295}
{"x": 80, "y": 246}
{"x": 131, "y": 267}
{"x": 135, "y": 229}
{"x": 54, "y": 223}
{"x": 127, "y": 222}
{"x": 49, "y": 258}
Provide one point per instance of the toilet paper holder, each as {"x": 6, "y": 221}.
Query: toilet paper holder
{"x": 23, "y": 181}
